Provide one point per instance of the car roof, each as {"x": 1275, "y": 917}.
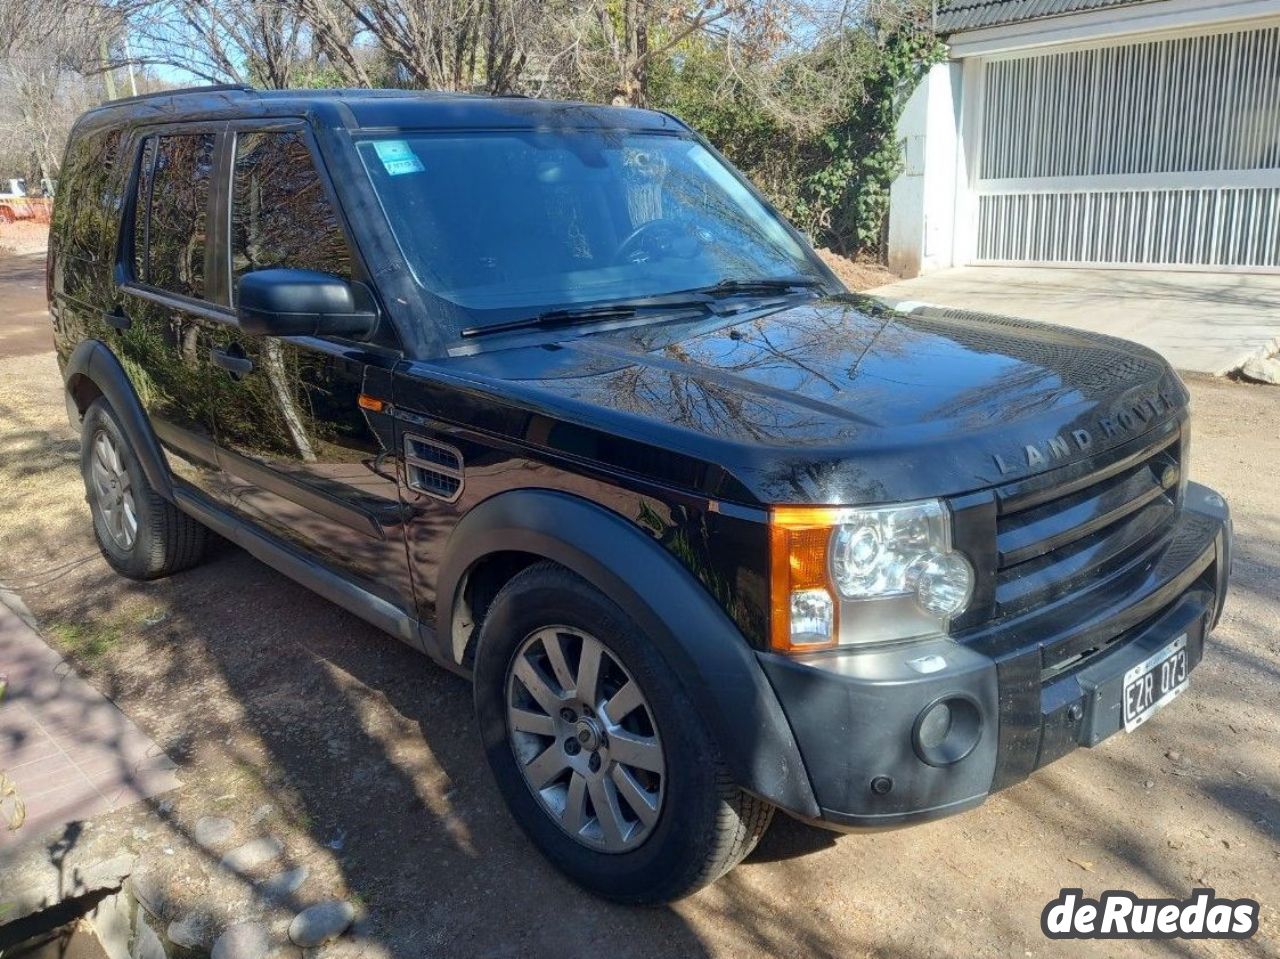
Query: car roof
{"x": 377, "y": 109}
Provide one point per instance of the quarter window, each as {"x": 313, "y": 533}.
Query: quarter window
{"x": 172, "y": 212}
{"x": 280, "y": 213}
{"x": 87, "y": 210}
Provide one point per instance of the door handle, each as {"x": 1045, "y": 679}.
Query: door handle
{"x": 233, "y": 364}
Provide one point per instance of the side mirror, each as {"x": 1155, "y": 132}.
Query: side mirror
{"x": 283, "y": 302}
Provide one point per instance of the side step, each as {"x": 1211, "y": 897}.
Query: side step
{"x": 301, "y": 569}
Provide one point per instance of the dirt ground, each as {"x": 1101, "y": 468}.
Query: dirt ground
{"x": 24, "y": 322}
{"x": 858, "y": 274}
{"x": 23, "y": 238}
{"x": 363, "y": 758}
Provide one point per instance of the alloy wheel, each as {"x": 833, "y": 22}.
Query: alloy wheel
{"x": 113, "y": 491}
{"x": 585, "y": 739}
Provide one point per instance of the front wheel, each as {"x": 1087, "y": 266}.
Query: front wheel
{"x": 141, "y": 534}
{"x": 597, "y": 749}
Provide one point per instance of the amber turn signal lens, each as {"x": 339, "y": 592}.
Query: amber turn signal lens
{"x": 371, "y": 403}
{"x": 798, "y": 542}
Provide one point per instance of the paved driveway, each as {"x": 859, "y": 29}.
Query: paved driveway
{"x": 1201, "y": 322}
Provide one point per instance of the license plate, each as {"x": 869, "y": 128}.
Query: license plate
{"x": 1154, "y": 682}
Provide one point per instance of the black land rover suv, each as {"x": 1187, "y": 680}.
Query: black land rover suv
{"x": 549, "y": 392}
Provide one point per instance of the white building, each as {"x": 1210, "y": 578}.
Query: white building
{"x": 1125, "y": 133}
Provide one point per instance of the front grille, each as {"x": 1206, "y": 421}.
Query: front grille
{"x": 1059, "y": 530}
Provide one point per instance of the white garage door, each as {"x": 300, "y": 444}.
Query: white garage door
{"x": 1164, "y": 152}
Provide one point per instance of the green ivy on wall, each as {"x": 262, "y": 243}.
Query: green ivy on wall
{"x": 830, "y": 178}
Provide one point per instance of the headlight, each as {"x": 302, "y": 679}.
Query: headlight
{"x": 887, "y": 572}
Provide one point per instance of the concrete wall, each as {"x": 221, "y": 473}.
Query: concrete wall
{"x": 922, "y": 200}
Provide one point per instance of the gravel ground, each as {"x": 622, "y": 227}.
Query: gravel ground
{"x": 294, "y": 720}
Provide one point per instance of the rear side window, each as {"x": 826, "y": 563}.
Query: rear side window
{"x": 172, "y": 212}
{"x": 280, "y": 213}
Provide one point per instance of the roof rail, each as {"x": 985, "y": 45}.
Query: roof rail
{"x": 181, "y": 91}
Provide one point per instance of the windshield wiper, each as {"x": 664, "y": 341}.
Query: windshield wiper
{"x": 568, "y": 316}
{"x": 770, "y": 284}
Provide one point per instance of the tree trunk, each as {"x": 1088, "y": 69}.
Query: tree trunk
{"x": 273, "y": 362}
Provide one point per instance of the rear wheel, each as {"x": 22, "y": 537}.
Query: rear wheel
{"x": 141, "y": 534}
{"x": 598, "y": 750}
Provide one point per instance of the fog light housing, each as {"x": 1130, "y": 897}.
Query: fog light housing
{"x": 947, "y": 730}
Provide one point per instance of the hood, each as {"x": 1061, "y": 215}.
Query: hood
{"x": 843, "y": 401}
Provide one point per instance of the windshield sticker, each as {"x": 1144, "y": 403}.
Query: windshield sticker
{"x": 397, "y": 157}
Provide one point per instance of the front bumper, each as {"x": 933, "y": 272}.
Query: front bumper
{"x": 859, "y": 716}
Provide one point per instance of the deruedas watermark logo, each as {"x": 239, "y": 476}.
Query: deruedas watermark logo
{"x": 1118, "y": 914}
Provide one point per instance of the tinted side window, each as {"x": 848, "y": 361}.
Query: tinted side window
{"x": 177, "y": 213}
{"x": 280, "y": 213}
{"x": 88, "y": 203}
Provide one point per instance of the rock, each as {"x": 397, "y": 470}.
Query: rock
{"x": 1149, "y": 784}
{"x": 245, "y": 940}
{"x": 321, "y": 923}
{"x": 252, "y": 854}
{"x": 146, "y": 943}
{"x": 1262, "y": 370}
{"x": 1173, "y": 756}
{"x": 284, "y": 884}
{"x": 261, "y": 813}
{"x": 211, "y": 831}
{"x": 192, "y": 931}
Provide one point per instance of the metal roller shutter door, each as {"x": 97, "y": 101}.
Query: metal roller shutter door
{"x": 1162, "y": 152}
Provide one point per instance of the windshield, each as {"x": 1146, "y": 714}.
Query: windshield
{"x": 517, "y": 223}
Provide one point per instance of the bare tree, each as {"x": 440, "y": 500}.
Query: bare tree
{"x": 638, "y": 33}
{"x": 50, "y": 61}
{"x": 442, "y": 44}
{"x": 224, "y": 41}
{"x": 333, "y": 35}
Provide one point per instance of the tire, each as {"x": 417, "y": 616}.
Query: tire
{"x": 140, "y": 533}
{"x": 704, "y": 824}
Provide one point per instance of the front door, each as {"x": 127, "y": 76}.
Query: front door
{"x": 305, "y": 446}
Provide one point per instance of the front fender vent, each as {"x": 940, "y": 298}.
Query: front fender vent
{"x": 433, "y": 468}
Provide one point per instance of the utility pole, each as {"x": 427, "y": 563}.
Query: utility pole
{"x": 128, "y": 54}
{"x": 107, "y": 74}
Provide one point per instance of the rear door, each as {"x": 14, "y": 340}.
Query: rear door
{"x": 165, "y": 310}
{"x": 305, "y": 442}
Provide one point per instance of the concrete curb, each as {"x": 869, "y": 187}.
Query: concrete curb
{"x": 15, "y": 605}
